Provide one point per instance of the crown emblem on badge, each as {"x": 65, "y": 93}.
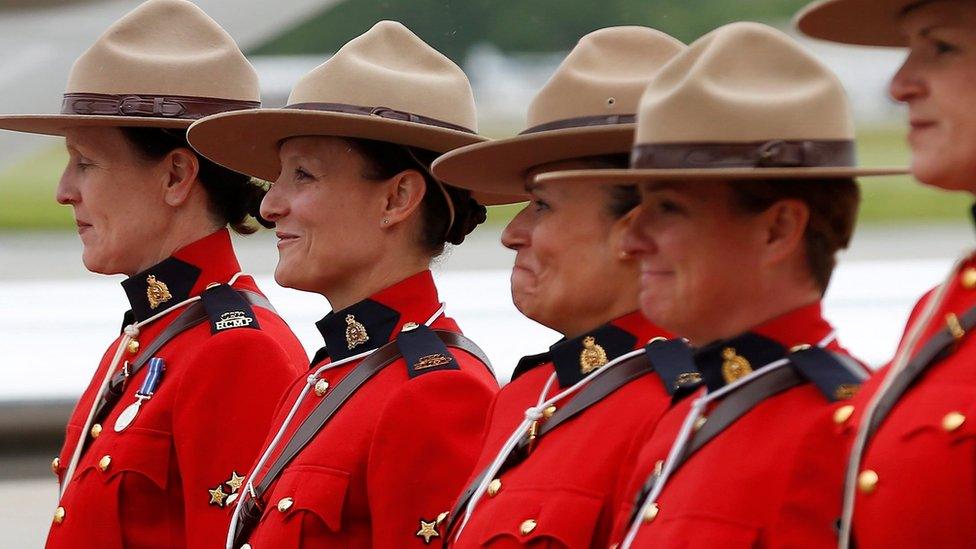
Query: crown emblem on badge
{"x": 355, "y": 332}
{"x": 734, "y": 366}
{"x": 157, "y": 292}
{"x": 593, "y": 355}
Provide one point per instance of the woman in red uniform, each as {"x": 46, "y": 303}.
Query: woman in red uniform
{"x": 570, "y": 275}
{"x": 744, "y": 155}
{"x": 176, "y": 411}
{"x": 911, "y": 470}
{"x": 372, "y": 445}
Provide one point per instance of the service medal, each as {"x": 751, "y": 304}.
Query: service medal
{"x": 145, "y": 392}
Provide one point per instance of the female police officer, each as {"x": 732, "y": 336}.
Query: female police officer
{"x": 175, "y": 412}
{"x": 910, "y": 475}
{"x": 569, "y": 275}
{"x": 744, "y": 154}
{"x": 372, "y": 446}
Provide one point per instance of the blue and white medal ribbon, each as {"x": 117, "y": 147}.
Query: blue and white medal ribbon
{"x": 145, "y": 392}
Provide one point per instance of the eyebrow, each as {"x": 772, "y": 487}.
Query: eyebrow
{"x": 532, "y": 186}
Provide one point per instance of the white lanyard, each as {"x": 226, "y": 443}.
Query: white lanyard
{"x": 310, "y": 382}
{"x": 684, "y": 437}
{"x": 532, "y": 415}
{"x": 129, "y": 333}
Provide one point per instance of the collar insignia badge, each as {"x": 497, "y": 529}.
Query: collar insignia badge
{"x": 593, "y": 355}
{"x": 157, "y": 292}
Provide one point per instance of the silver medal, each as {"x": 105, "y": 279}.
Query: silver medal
{"x": 127, "y": 416}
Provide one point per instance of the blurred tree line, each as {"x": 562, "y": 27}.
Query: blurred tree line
{"x": 454, "y": 26}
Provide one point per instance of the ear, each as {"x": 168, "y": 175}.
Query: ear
{"x": 619, "y": 234}
{"x": 404, "y": 193}
{"x": 785, "y": 223}
{"x": 180, "y": 169}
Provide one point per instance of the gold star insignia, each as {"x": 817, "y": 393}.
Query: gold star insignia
{"x": 428, "y": 530}
{"x": 217, "y": 496}
{"x": 235, "y": 482}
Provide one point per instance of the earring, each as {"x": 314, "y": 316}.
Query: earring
{"x": 386, "y": 221}
{"x": 624, "y": 255}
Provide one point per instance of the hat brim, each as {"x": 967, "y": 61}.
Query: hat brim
{"x": 634, "y": 176}
{"x": 858, "y": 22}
{"x": 57, "y": 124}
{"x": 248, "y": 141}
{"x": 499, "y": 168}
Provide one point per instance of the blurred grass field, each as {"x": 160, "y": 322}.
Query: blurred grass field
{"x": 27, "y": 190}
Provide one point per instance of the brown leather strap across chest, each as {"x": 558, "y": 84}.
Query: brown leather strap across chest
{"x": 252, "y": 506}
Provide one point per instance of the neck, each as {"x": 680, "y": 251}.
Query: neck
{"x": 180, "y": 234}
{"x": 386, "y": 271}
{"x": 744, "y": 316}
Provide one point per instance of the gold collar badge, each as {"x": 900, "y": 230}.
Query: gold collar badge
{"x": 157, "y": 292}
{"x": 734, "y": 366}
{"x": 593, "y": 355}
{"x": 355, "y": 332}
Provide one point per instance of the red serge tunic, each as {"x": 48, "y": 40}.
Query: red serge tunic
{"x": 161, "y": 481}
{"x": 395, "y": 455}
{"x": 561, "y": 495}
{"x": 758, "y": 483}
{"x": 916, "y": 483}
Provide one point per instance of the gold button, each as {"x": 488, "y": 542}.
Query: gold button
{"x": 96, "y": 430}
{"x": 952, "y": 421}
{"x": 527, "y": 527}
{"x": 843, "y": 414}
{"x": 321, "y": 386}
{"x": 494, "y": 486}
{"x": 132, "y": 347}
{"x": 285, "y": 504}
{"x": 968, "y": 278}
{"x": 867, "y": 481}
{"x": 105, "y": 462}
{"x": 700, "y": 422}
{"x": 548, "y": 412}
{"x": 651, "y": 513}
{"x": 56, "y": 465}
{"x": 59, "y": 515}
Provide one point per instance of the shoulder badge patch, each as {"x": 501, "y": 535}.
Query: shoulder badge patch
{"x": 424, "y": 352}
{"x": 837, "y": 376}
{"x": 227, "y": 309}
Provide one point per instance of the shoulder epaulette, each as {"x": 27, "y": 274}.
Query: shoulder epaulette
{"x": 227, "y": 309}
{"x": 674, "y": 363}
{"x": 424, "y": 352}
{"x": 836, "y": 375}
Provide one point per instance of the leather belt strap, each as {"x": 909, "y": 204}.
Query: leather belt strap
{"x": 155, "y": 106}
{"x": 938, "y": 346}
{"x": 193, "y": 315}
{"x": 581, "y": 122}
{"x": 728, "y": 412}
{"x": 760, "y": 154}
{"x": 608, "y": 382}
{"x": 383, "y": 112}
{"x": 251, "y": 508}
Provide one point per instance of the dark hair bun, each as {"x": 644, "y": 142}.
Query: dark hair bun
{"x": 468, "y": 214}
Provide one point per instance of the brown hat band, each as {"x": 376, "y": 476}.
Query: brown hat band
{"x": 582, "y": 122}
{"x": 383, "y": 112}
{"x": 763, "y": 154}
{"x": 158, "y": 106}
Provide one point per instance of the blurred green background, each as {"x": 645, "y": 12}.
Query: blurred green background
{"x": 27, "y": 189}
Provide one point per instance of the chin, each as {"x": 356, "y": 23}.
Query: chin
{"x": 941, "y": 174}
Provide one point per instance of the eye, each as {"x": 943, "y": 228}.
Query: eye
{"x": 539, "y": 205}
{"x": 943, "y": 47}
{"x": 302, "y": 175}
{"x": 668, "y": 207}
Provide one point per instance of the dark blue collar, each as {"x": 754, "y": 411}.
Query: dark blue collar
{"x": 160, "y": 287}
{"x": 576, "y": 358}
{"x": 725, "y": 361}
{"x": 365, "y": 326}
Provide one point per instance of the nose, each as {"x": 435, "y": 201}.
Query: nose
{"x": 273, "y": 205}
{"x": 67, "y": 192}
{"x": 907, "y": 83}
{"x": 517, "y": 234}
{"x": 635, "y": 240}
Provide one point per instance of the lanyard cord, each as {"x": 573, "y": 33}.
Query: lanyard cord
{"x": 684, "y": 436}
{"x": 309, "y": 384}
{"x": 129, "y": 333}
{"x": 532, "y": 414}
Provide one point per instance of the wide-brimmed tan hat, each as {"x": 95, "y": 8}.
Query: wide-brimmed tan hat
{"x": 744, "y": 101}
{"x": 860, "y": 22}
{"x": 164, "y": 64}
{"x": 387, "y": 84}
{"x": 587, "y": 108}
